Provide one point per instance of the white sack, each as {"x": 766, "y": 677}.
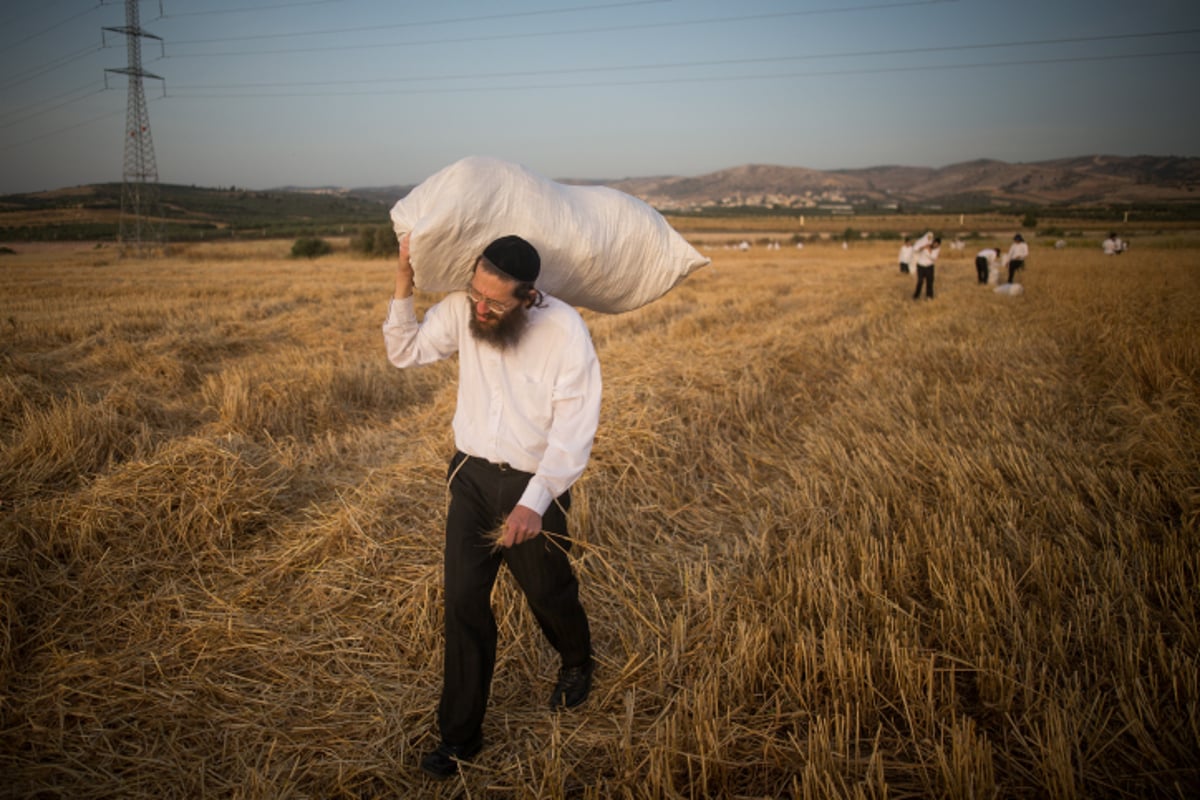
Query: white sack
{"x": 600, "y": 248}
{"x": 1010, "y": 289}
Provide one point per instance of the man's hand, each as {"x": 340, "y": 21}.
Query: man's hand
{"x": 404, "y": 271}
{"x": 522, "y": 525}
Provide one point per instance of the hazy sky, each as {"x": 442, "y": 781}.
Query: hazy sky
{"x": 265, "y": 93}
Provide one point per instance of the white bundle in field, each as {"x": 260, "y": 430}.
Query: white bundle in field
{"x": 1010, "y": 289}
{"x": 600, "y": 248}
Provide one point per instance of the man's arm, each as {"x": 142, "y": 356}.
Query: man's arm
{"x": 576, "y": 417}
{"x": 404, "y": 271}
{"x": 408, "y": 341}
{"x": 571, "y": 435}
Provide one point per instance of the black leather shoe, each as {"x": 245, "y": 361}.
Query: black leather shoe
{"x": 574, "y": 685}
{"x": 442, "y": 762}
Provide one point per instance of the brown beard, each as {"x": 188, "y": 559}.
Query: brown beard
{"x": 505, "y": 332}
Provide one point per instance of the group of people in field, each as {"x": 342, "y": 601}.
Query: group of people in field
{"x": 923, "y": 255}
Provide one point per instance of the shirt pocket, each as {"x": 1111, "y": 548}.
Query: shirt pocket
{"x": 537, "y": 393}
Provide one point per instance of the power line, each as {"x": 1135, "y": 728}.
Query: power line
{"x": 706, "y": 79}
{"x": 597, "y": 29}
{"x": 193, "y": 91}
{"x": 434, "y": 22}
{"x": 279, "y": 6}
{"x": 58, "y": 63}
{"x": 725, "y": 78}
{"x": 708, "y": 63}
{"x": 24, "y": 12}
{"x": 90, "y": 86}
{"x": 248, "y": 9}
{"x": 53, "y": 27}
{"x": 58, "y": 131}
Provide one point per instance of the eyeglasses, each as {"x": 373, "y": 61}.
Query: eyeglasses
{"x": 494, "y": 306}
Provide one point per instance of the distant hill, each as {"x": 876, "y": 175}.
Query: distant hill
{"x": 968, "y": 186}
{"x": 971, "y": 185}
{"x": 86, "y": 212}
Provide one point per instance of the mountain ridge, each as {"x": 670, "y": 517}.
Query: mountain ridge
{"x": 1171, "y": 183}
{"x": 1081, "y": 180}
{"x": 977, "y": 184}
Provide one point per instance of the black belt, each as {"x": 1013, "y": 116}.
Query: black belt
{"x": 501, "y": 467}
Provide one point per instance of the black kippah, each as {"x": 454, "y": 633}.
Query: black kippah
{"x": 515, "y": 257}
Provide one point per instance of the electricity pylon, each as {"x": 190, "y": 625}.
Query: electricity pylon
{"x": 141, "y": 230}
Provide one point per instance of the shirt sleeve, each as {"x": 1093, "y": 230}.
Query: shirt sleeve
{"x": 410, "y": 342}
{"x": 576, "y": 416}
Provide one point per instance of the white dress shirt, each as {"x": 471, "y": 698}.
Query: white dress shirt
{"x": 534, "y": 406}
{"x": 927, "y": 255}
{"x": 1018, "y": 252}
{"x": 989, "y": 253}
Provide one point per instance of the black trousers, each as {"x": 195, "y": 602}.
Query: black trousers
{"x": 481, "y": 496}
{"x": 1013, "y": 266}
{"x": 904, "y": 267}
{"x": 981, "y": 268}
{"x": 924, "y": 276}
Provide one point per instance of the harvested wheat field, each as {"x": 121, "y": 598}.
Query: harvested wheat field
{"x": 833, "y": 542}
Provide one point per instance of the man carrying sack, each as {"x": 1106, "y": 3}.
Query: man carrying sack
{"x": 527, "y": 411}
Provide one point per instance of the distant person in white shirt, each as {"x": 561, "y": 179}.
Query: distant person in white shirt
{"x": 927, "y": 249}
{"x": 1016, "y": 256}
{"x": 1111, "y": 245}
{"x": 527, "y": 413}
{"x": 906, "y": 255}
{"x": 985, "y": 262}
